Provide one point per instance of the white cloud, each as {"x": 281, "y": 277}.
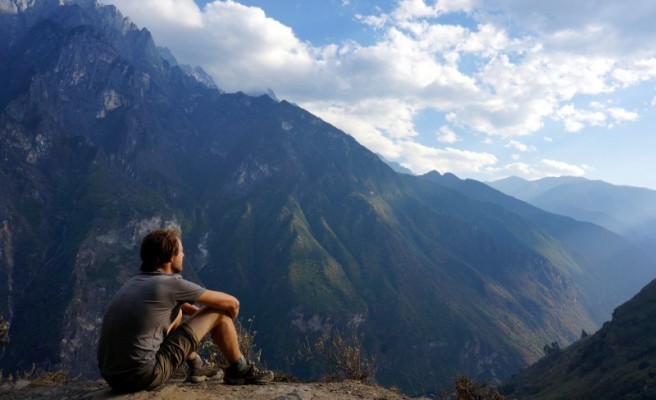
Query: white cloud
{"x": 246, "y": 50}
{"x": 158, "y": 14}
{"x": 378, "y": 124}
{"x": 558, "y": 168}
{"x": 447, "y": 135}
{"x": 409, "y": 10}
{"x": 544, "y": 168}
{"x": 239, "y": 46}
{"x": 620, "y": 114}
{"x": 519, "y": 146}
{"x": 576, "y": 119}
{"x": 413, "y": 9}
{"x": 635, "y": 73}
{"x": 424, "y": 159}
{"x": 392, "y": 117}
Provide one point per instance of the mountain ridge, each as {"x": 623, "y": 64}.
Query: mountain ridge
{"x": 626, "y": 210}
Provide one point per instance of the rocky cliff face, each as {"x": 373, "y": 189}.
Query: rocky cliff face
{"x": 102, "y": 140}
{"x": 67, "y": 169}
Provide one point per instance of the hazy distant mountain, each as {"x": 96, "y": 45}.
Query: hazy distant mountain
{"x": 526, "y": 190}
{"x": 396, "y": 166}
{"x": 617, "y": 362}
{"x": 629, "y": 211}
{"x": 101, "y": 139}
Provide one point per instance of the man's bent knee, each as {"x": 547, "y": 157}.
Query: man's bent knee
{"x": 206, "y": 319}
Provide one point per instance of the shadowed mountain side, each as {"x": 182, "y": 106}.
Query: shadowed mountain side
{"x": 617, "y": 362}
{"x": 352, "y": 244}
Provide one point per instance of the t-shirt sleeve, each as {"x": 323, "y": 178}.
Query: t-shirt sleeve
{"x": 185, "y": 291}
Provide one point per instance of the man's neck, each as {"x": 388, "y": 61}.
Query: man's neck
{"x": 165, "y": 269}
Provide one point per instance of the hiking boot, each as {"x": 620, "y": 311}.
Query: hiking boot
{"x": 202, "y": 373}
{"x": 250, "y": 376}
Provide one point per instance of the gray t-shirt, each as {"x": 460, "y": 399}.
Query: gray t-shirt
{"x": 137, "y": 319}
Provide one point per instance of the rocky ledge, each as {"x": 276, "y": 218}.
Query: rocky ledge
{"x": 176, "y": 389}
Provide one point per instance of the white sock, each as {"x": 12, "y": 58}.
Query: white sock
{"x": 196, "y": 362}
{"x": 241, "y": 364}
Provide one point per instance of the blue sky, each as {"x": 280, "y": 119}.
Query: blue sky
{"x": 484, "y": 89}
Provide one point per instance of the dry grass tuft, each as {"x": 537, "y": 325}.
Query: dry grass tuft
{"x": 36, "y": 377}
{"x": 342, "y": 357}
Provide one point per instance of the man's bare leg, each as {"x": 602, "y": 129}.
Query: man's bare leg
{"x": 221, "y": 327}
{"x": 224, "y": 334}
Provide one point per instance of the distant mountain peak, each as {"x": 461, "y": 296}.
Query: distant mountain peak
{"x": 196, "y": 72}
{"x": 395, "y": 165}
{"x": 264, "y": 92}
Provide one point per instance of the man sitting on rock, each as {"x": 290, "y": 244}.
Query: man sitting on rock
{"x": 143, "y": 339}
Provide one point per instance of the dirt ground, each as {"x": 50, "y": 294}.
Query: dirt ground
{"x": 176, "y": 389}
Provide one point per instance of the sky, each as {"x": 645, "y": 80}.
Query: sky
{"x": 484, "y": 89}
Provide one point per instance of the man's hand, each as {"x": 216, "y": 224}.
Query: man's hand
{"x": 221, "y": 301}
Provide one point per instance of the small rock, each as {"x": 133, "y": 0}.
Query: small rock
{"x": 21, "y": 384}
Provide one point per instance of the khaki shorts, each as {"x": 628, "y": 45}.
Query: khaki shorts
{"x": 171, "y": 355}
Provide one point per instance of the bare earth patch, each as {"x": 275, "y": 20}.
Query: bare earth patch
{"x": 176, "y": 389}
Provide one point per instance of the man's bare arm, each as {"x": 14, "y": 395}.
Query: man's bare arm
{"x": 221, "y": 301}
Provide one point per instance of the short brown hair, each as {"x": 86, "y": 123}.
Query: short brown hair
{"x": 158, "y": 247}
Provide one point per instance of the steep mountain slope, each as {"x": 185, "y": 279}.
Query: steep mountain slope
{"x": 617, "y": 362}
{"x": 102, "y": 140}
{"x": 628, "y": 211}
{"x": 601, "y": 252}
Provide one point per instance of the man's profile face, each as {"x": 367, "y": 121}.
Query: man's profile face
{"x": 176, "y": 262}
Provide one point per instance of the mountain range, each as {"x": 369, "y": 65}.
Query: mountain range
{"x": 103, "y": 136}
{"x": 627, "y": 210}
